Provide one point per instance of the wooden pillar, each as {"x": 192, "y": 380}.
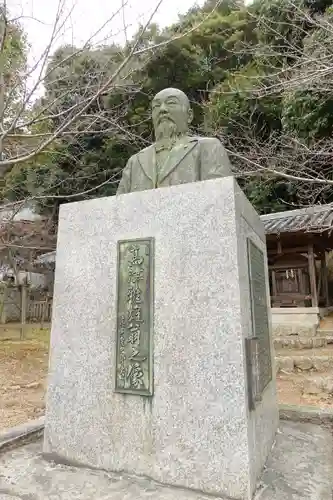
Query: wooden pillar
{"x": 301, "y": 281}
{"x": 279, "y": 246}
{"x": 23, "y": 290}
{"x": 325, "y": 279}
{"x": 312, "y": 274}
{"x": 3, "y": 304}
{"x": 319, "y": 281}
{"x": 274, "y": 291}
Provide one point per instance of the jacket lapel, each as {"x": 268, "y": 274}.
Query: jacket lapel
{"x": 147, "y": 160}
{"x": 177, "y": 154}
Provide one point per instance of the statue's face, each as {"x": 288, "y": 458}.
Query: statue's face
{"x": 171, "y": 113}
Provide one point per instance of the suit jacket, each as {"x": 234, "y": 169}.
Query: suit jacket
{"x": 193, "y": 159}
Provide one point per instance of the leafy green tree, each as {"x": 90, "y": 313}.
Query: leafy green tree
{"x": 258, "y": 76}
{"x": 88, "y": 156}
{"x": 275, "y": 113}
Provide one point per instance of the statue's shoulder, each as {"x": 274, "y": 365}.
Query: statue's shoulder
{"x": 209, "y": 141}
{"x": 205, "y": 141}
{"x": 143, "y": 152}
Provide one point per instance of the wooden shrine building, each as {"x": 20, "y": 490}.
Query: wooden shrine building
{"x": 297, "y": 245}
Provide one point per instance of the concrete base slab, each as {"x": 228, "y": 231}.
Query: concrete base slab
{"x": 300, "y": 467}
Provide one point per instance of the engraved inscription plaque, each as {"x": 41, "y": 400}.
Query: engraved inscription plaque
{"x": 134, "y": 355}
{"x": 260, "y": 323}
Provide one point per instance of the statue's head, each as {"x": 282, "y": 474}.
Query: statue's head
{"x": 171, "y": 113}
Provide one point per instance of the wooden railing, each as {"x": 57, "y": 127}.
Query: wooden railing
{"x": 40, "y": 311}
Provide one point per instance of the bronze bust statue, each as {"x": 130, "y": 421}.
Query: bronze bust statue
{"x": 175, "y": 157}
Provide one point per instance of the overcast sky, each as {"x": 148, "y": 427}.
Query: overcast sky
{"x": 82, "y": 19}
{"x": 85, "y": 17}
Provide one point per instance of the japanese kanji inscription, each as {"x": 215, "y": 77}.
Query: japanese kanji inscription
{"x": 134, "y": 355}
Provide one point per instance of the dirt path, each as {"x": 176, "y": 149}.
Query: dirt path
{"x": 23, "y": 372}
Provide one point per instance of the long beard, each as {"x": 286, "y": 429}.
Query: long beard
{"x": 166, "y": 130}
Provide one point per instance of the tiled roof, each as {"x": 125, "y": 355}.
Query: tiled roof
{"x": 318, "y": 218}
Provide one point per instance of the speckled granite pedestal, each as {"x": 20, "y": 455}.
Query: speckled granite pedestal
{"x": 197, "y": 431}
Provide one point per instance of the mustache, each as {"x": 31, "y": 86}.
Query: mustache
{"x": 164, "y": 116}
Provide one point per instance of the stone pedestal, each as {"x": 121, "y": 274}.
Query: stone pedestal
{"x": 212, "y": 419}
